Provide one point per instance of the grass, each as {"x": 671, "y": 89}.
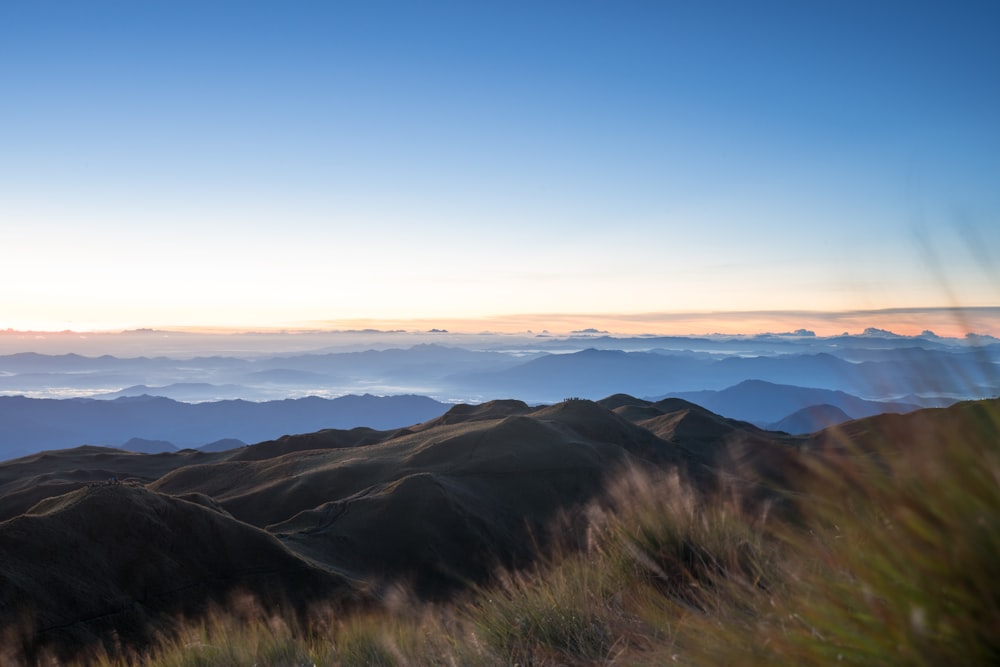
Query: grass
{"x": 898, "y": 563}
{"x": 892, "y": 558}
{"x": 906, "y": 562}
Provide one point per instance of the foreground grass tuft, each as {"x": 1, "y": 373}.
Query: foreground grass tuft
{"x": 898, "y": 562}
{"x": 569, "y": 619}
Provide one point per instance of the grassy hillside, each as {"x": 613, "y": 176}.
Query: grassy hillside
{"x": 883, "y": 549}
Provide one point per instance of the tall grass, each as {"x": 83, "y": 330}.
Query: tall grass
{"x": 900, "y": 560}
{"x": 892, "y": 558}
{"x": 897, "y": 561}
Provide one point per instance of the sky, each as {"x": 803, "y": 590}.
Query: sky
{"x": 498, "y": 164}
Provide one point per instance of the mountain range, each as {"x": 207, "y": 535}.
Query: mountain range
{"x": 30, "y": 425}
{"x": 592, "y": 373}
{"x": 153, "y": 424}
{"x": 342, "y": 513}
{"x": 920, "y": 370}
{"x": 766, "y": 403}
{"x": 102, "y": 543}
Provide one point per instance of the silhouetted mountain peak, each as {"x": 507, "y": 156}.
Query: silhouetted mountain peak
{"x": 464, "y": 412}
{"x": 672, "y": 404}
{"x": 689, "y": 424}
{"x": 619, "y": 400}
{"x": 222, "y": 445}
{"x": 330, "y": 438}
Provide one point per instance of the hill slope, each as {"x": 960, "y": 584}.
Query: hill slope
{"x": 434, "y": 506}
{"x": 113, "y": 556}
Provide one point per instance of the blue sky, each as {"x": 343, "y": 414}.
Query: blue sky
{"x": 287, "y": 163}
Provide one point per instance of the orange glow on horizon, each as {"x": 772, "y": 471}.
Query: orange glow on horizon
{"x": 955, "y": 323}
{"x": 943, "y": 322}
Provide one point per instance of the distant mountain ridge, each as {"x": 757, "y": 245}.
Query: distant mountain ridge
{"x": 764, "y": 403}
{"x": 811, "y": 419}
{"x": 875, "y": 365}
{"x": 144, "y": 423}
{"x": 31, "y": 425}
{"x": 592, "y": 373}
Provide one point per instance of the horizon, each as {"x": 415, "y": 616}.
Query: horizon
{"x": 666, "y": 168}
{"x": 950, "y": 322}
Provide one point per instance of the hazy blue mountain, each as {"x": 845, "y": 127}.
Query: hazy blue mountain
{"x": 807, "y": 370}
{"x": 188, "y": 392}
{"x": 811, "y": 419}
{"x": 290, "y": 376}
{"x": 223, "y": 445}
{"x": 764, "y": 403}
{"x": 420, "y": 362}
{"x": 28, "y": 425}
{"x": 588, "y": 374}
{"x": 915, "y": 370}
{"x": 594, "y": 373}
{"x": 144, "y": 446}
{"x": 876, "y": 365}
{"x": 418, "y": 369}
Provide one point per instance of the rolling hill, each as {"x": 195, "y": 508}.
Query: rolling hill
{"x": 435, "y": 505}
{"x": 114, "y": 558}
{"x": 346, "y": 515}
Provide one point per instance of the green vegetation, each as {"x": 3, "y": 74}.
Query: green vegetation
{"x": 887, "y": 555}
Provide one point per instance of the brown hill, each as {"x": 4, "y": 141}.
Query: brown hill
{"x": 30, "y": 479}
{"x": 341, "y": 514}
{"x": 464, "y": 413}
{"x": 490, "y": 488}
{"x": 117, "y": 557}
{"x": 589, "y": 420}
{"x": 330, "y": 438}
{"x": 968, "y": 421}
{"x": 616, "y": 401}
{"x": 436, "y": 506}
{"x": 471, "y": 498}
{"x": 706, "y": 443}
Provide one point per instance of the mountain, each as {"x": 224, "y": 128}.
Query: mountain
{"x": 708, "y": 442}
{"x": 593, "y": 373}
{"x": 27, "y": 480}
{"x": 416, "y": 369}
{"x": 345, "y": 515}
{"x": 811, "y": 419}
{"x": 225, "y": 444}
{"x": 144, "y": 446}
{"x": 883, "y": 373}
{"x": 590, "y": 373}
{"x": 113, "y": 558}
{"x": 31, "y": 425}
{"x": 185, "y": 391}
{"x": 969, "y": 421}
{"x": 764, "y": 403}
{"x": 534, "y": 369}
{"x": 340, "y": 513}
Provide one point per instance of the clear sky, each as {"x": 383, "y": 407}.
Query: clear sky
{"x": 282, "y": 164}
